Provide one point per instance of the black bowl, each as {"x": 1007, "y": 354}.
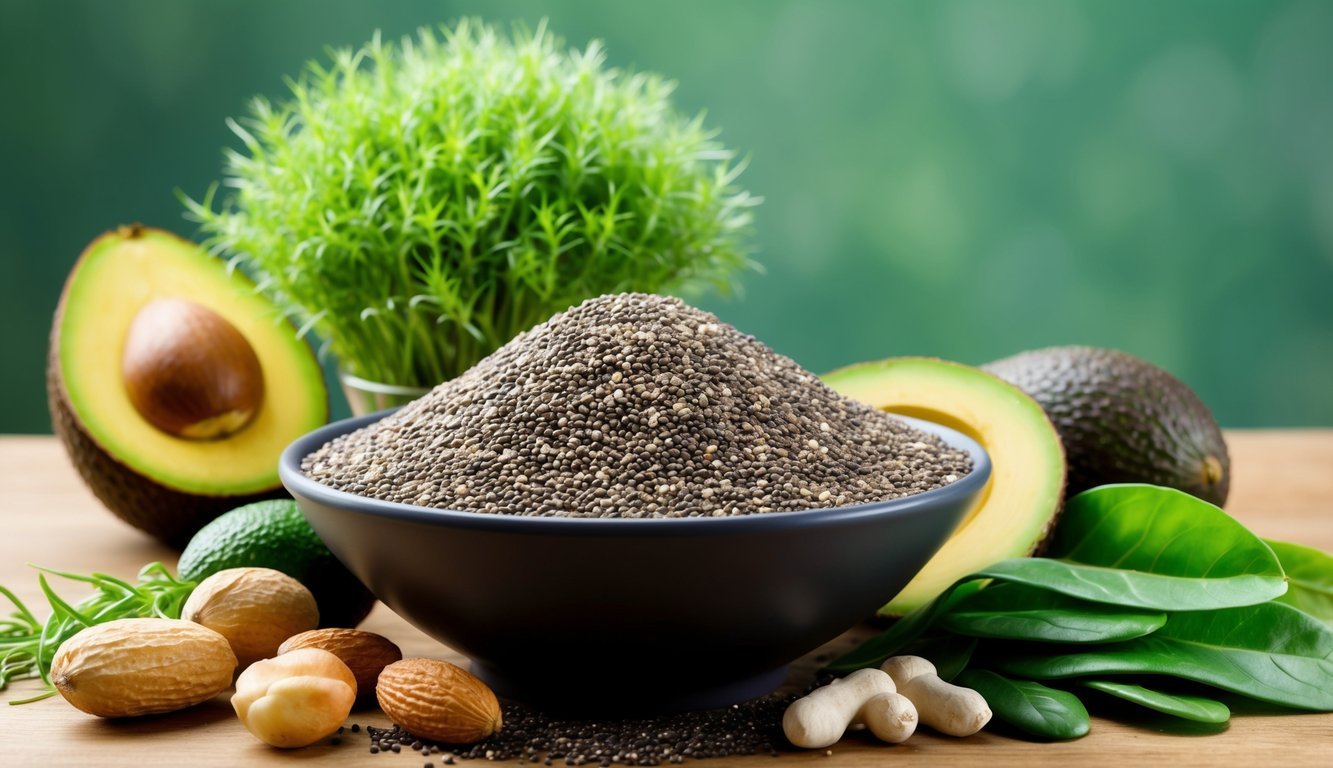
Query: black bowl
{"x": 637, "y": 614}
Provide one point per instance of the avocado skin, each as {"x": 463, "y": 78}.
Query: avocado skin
{"x": 167, "y": 515}
{"x": 1123, "y": 420}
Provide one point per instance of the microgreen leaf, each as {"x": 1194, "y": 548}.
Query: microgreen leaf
{"x": 419, "y": 204}
{"x": 27, "y": 646}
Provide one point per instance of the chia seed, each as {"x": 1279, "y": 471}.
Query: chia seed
{"x": 633, "y": 405}
{"x": 751, "y": 728}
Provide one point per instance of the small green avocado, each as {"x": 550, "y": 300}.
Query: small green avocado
{"x": 1123, "y": 420}
{"x": 273, "y": 534}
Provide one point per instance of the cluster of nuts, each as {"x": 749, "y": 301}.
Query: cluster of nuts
{"x": 298, "y": 683}
{"x": 888, "y": 702}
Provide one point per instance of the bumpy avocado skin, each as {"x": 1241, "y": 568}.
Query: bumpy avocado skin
{"x": 273, "y": 534}
{"x": 167, "y": 515}
{"x": 1123, "y": 420}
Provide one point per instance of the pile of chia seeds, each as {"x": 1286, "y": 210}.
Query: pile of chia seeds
{"x": 634, "y": 405}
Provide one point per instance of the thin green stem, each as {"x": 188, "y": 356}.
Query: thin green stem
{"x": 418, "y": 207}
{"x": 27, "y": 646}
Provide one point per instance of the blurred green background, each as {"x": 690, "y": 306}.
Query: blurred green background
{"x": 963, "y": 179}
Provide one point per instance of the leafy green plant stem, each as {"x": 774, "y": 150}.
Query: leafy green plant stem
{"x": 418, "y": 204}
{"x": 28, "y": 646}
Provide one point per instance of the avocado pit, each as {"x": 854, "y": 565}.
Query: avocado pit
{"x": 189, "y": 372}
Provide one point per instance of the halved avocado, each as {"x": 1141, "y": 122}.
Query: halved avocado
{"x": 173, "y": 384}
{"x": 1023, "y": 497}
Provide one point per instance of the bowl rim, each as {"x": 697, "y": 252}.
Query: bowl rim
{"x": 299, "y": 485}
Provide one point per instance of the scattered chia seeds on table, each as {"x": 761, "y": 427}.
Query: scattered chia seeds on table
{"x": 633, "y": 405}
{"x": 751, "y": 728}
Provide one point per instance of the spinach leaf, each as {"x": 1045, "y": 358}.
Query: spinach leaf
{"x": 1021, "y": 612}
{"x": 1271, "y": 652}
{"x": 903, "y": 633}
{"x": 1133, "y": 546}
{"x": 950, "y": 653}
{"x": 1136, "y": 589}
{"x": 1146, "y": 546}
{"x": 1309, "y": 579}
{"x": 1030, "y": 707}
{"x": 1160, "y": 530}
{"x": 1196, "y": 708}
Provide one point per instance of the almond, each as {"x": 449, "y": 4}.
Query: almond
{"x": 132, "y": 667}
{"x": 436, "y": 700}
{"x": 254, "y": 608}
{"x": 365, "y": 653}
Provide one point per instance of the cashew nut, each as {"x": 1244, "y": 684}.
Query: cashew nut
{"x": 866, "y": 695}
{"x": 949, "y": 709}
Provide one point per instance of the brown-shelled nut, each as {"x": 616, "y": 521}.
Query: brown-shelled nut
{"x": 254, "y": 608}
{"x": 131, "y": 667}
{"x": 365, "y": 653}
{"x": 436, "y": 700}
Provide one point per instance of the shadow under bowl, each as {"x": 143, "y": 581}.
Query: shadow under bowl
{"x": 632, "y": 615}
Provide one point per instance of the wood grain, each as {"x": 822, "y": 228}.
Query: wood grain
{"x": 1283, "y": 488}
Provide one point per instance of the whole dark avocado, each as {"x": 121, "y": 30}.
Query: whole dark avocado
{"x": 1123, "y": 420}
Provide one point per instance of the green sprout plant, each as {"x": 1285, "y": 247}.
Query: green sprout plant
{"x": 28, "y": 645}
{"x": 417, "y": 205}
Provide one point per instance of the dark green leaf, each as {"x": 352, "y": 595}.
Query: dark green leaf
{"x": 1196, "y": 708}
{"x": 903, "y": 632}
{"x": 1146, "y": 546}
{"x": 1021, "y": 612}
{"x": 1031, "y": 707}
{"x": 949, "y": 653}
{"x": 1159, "y": 530}
{"x": 1271, "y": 652}
{"x": 1135, "y": 589}
{"x": 1309, "y": 579}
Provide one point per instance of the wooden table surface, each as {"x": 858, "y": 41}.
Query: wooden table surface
{"x": 1282, "y": 488}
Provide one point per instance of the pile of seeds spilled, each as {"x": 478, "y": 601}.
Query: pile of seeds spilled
{"x": 634, "y": 405}
{"x": 529, "y": 736}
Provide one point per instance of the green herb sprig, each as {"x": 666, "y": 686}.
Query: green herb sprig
{"x": 417, "y": 205}
{"x": 1150, "y": 596}
{"x": 27, "y": 646}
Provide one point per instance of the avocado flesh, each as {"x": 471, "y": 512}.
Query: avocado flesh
{"x": 164, "y": 484}
{"x": 1124, "y": 420}
{"x": 1026, "y": 489}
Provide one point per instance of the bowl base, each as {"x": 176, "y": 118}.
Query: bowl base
{"x": 590, "y": 699}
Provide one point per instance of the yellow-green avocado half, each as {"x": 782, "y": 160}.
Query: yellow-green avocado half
{"x": 1024, "y": 495}
{"x": 185, "y": 318}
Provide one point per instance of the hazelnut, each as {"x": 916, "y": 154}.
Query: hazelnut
{"x": 295, "y": 699}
